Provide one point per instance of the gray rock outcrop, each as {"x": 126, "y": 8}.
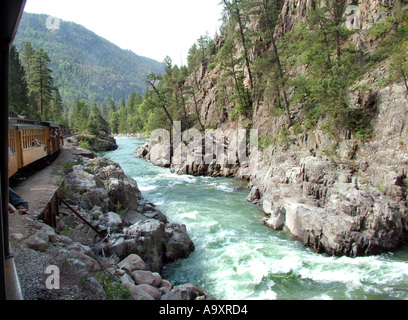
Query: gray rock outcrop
{"x": 100, "y": 141}
{"x": 335, "y": 192}
{"x": 146, "y": 285}
{"x": 112, "y": 203}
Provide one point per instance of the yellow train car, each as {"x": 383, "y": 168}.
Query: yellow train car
{"x": 31, "y": 141}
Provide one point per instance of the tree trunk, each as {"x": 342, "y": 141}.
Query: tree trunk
{"x": 278, "y": 62}
{"x": 163, "y": 105}
{"x": 196, "y": 105}
{"x": 337, "y": 16}
{"x": 405, "y": 79}
{"x": 184, "y": 106}
{"x": 235, "y": 11}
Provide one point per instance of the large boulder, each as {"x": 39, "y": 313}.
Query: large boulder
{"x": 102, "y": 183}
{"x": 137, "y": 293}
{"x": 121, "y": 189}
{"x": 178, "y": 244}
{"x": 155, "y": 242}
{"x": 132, "y": 263}
{"x": 181, "y": 293}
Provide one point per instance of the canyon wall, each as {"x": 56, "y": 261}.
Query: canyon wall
{"x": 340, "y": 196}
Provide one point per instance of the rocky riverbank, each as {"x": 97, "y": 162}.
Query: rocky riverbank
{"x": 116, "y": 250}
{"x": 338, "y": 196}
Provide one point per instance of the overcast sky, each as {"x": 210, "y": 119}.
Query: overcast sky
{"x": 150, "y": 28}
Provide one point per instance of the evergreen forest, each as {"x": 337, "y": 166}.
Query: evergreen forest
{"x": 250, "y": 71}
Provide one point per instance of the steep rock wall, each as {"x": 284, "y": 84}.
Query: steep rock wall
{"x": 344, "y": 196}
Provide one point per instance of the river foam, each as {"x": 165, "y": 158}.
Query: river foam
{"x": 239, "y": 258}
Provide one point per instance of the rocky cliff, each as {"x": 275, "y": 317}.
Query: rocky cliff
{"x": 344, "y": 196}
{"x": 338, "y": 195}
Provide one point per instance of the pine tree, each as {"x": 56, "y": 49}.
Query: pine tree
{"x": 152, "y": 80}
{"x": 234, "y": 7}
{"x": 229, "y": 63}
{"x": 96, "y": 122}
{"x": 397, "y": 45}
{"x": 105, "y": 111}
{"x": 134, "y": 121}
{"x": 321, "y": 45}
{"x": 19, "y": 101}
{"x": 40, "y": 81}
{"x": 122, "y": 117}
{"x": 201, "y": 52}
{"x": 268, "y": 12}
{"x": 79, "y": 116}
{"x": 56, "y": 109}
{"x": 27, "y": 55}
{"x": 193, "y": 58}
{"x": 113, "y": 117}
{"x": 173, "y": 92}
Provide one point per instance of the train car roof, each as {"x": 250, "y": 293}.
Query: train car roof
{"x": 23, "y": 126}
{"x": 15, "y": 120}
{"x": 50, "y": 124}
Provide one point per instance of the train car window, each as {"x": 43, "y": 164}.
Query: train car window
{"x": 32, "y": 137}
{"x": 12, "y": 140}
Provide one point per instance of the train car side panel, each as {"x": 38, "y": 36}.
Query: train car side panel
{"x": 32, "y": 141}
{"x": 33, "y": 154}
{"x": 14, "y": 146}
{"x": 53, "y": 133}
{"x": 13, "y": 167}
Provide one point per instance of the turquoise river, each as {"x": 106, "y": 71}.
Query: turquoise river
{"x": 236, "y": 257}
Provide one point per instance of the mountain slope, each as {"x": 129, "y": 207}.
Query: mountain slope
{"x": 86, "y": 66}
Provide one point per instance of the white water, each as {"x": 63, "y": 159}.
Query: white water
{"x": 238, "y": 258}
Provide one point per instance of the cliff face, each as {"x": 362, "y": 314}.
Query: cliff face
{"x": 371, "y": 12}
{"x": 343, "y": 195}
{"x": 352, "y": 202}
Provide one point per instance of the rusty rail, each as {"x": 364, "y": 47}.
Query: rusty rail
{"x": 82, "y": 218}
{"x": 51, "y": 211}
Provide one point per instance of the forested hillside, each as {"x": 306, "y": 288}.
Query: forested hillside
{"x": 298, "y": 62}
{"x": 279, "y": 67}
{"x": 84, "y": 65}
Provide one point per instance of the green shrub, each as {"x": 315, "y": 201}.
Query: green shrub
{"x": 84, "y": 145}
{"x": 113, "y": 289}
